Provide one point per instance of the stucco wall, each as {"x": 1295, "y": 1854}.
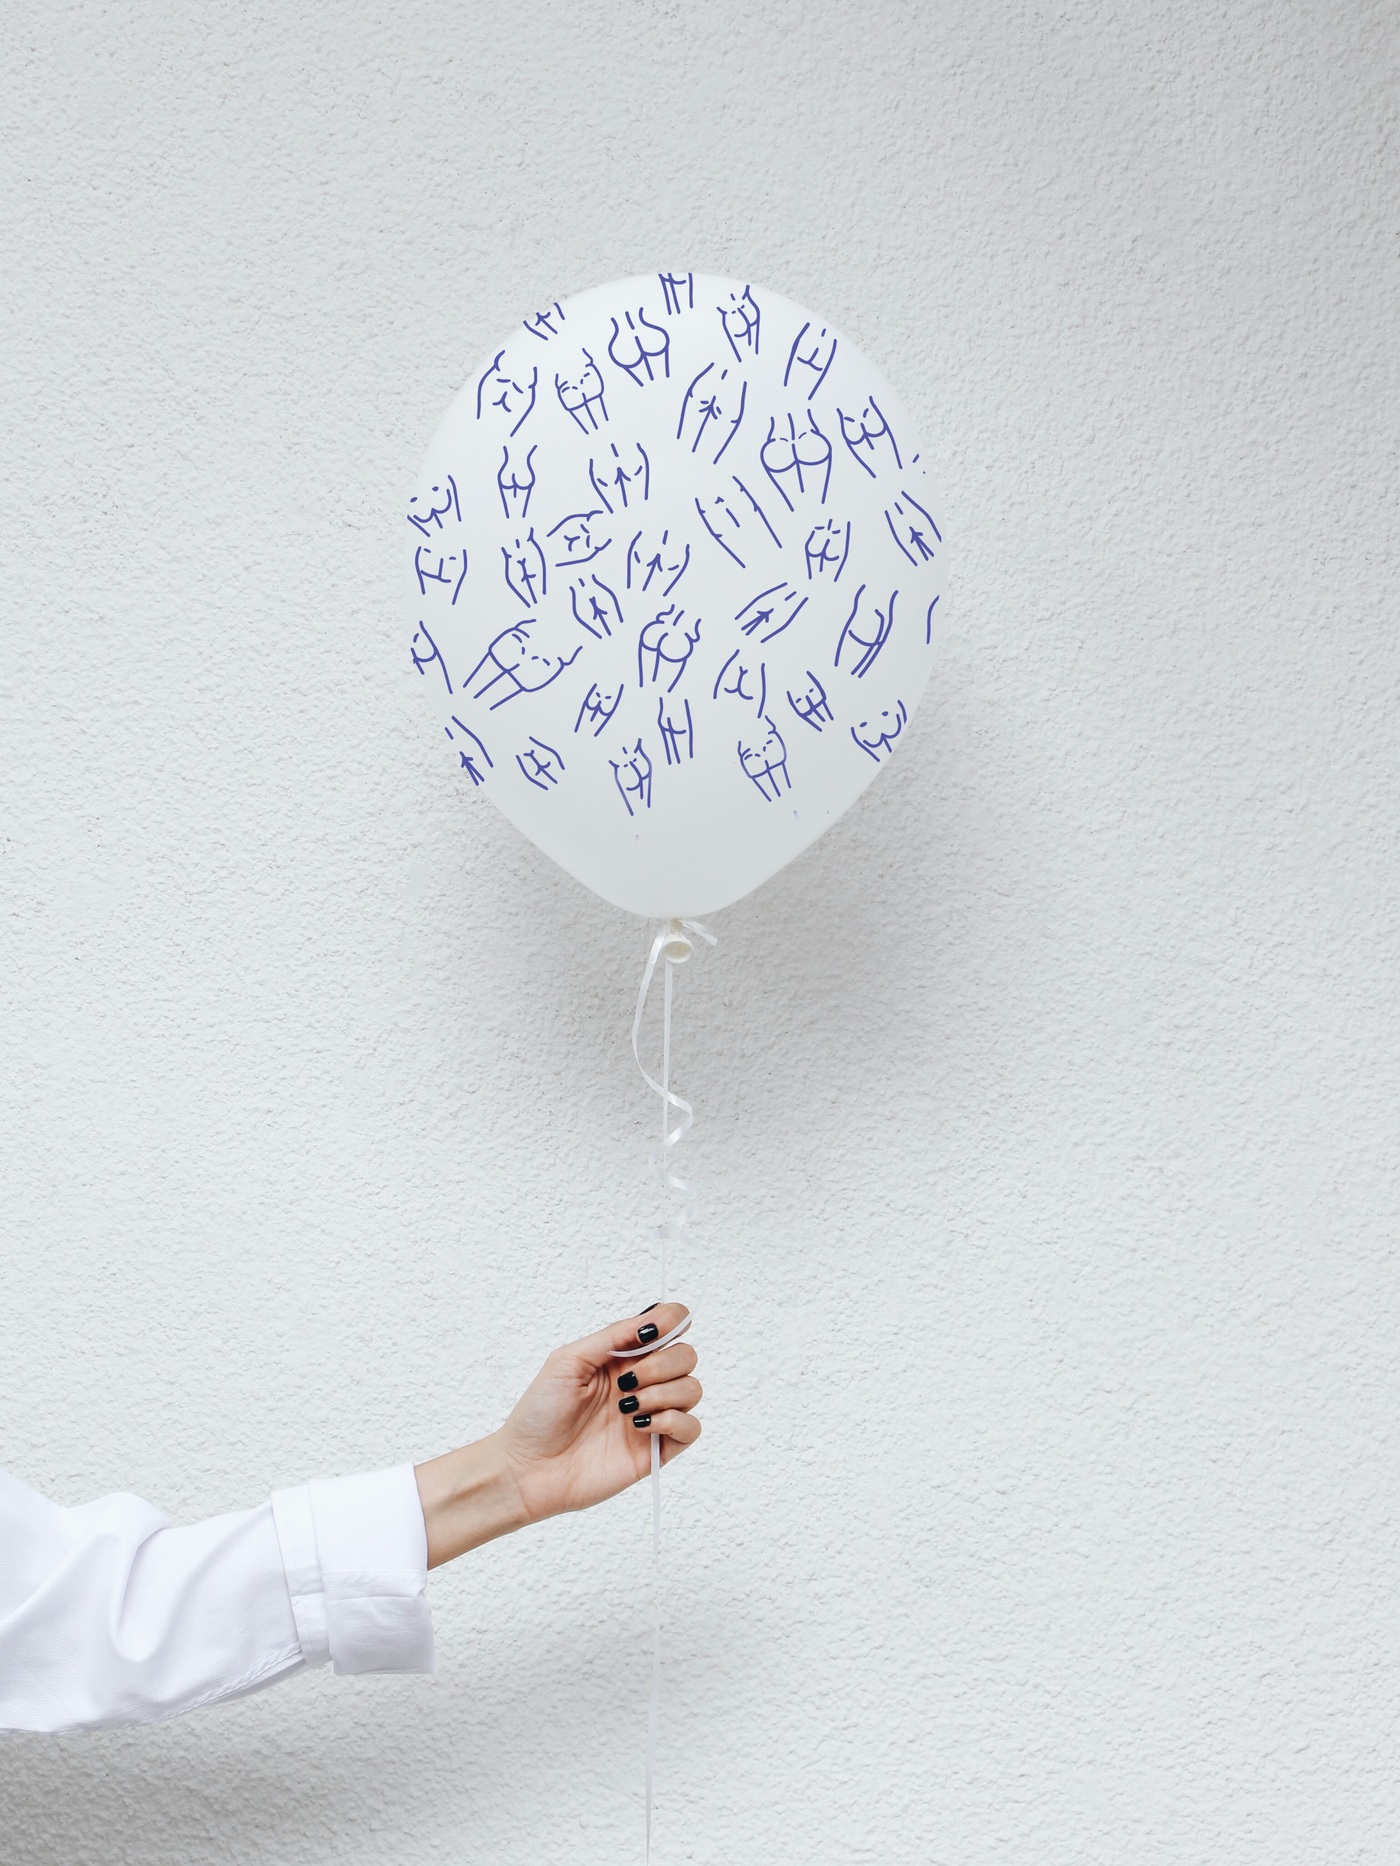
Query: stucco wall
{"x": 1046, "y": 1511}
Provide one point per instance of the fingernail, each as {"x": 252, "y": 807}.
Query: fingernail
{"x": 647, "y": 1332}
{"x": 648, "y": 1309}
{"x": 627, "y": 1383}
{"x": 642, "y": 1418}
{"x": 630, "y": 1404}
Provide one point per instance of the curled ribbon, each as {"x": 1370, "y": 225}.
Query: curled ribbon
{"x": 674, "y": 945}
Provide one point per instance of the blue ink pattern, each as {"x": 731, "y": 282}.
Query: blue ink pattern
{"x": 813, "y": 709}
{"x": 525, "y": 568}
{"x": 813, "y": 363}
{"x": 513, "y": 658}
{"x": 540, "y": 764}
{"x": 424, "y": 661}
{"x": 863, "y": 635}
{"x": 625, "y": 479}
{"x": 771, "y": 611}
{"x": 796, "y": 460}
{"x": 440, "y": 503}
{"x": 468, "y": 760}
{"x": 666, "y": 642}
{"x": 876, "y": 736}
{"x": 677, "y": 732}
{"x": 764, "y": 762}
{"x": 581, "y": 394}
{"x": 598, "y": 708}
{"x": 910, "y": 526}
{"x": 498, "y": 390}
{"x": 644, "y": 356}
{"x": 632, "y": 775}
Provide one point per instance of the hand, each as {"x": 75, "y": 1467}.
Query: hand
{"x": 567, "y": 1444}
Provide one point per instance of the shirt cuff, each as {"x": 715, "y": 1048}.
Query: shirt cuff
{"x": 355, "y": 1552}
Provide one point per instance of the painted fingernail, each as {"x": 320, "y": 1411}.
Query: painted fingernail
{"x": 647, "y": 1310}
{"x": 642, "y": 1418}
{"x": 630, "y": 1404}
{"x": 627, "y": 1383}
{"x": 647, "y": 1332}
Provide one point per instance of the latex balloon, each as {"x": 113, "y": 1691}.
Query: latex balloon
{"x": 674, "y": 570}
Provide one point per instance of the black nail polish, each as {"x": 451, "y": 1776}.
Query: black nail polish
{"x": 642, "y": 1418}
{"x": 648, "y": 1309}
{"x": 630, "y": 1404}
{"x": 627, "y": 1383}
{"x": 647, "y": 1332}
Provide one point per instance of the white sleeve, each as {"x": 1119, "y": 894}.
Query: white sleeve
{"x": 109, "y": 1615}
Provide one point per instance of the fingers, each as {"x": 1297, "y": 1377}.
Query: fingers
{"x": 675, "y": 1429}
{"x": 673, "y": 1395}
{"x": 597, "y": 1350}
{"x": 672, "y": 1363}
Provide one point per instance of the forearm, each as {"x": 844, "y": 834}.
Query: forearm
{"x": 469, "y": 1496}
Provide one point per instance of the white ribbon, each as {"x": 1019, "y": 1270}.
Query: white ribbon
{"x": 672, "y": 944}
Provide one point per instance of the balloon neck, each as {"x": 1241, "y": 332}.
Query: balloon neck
{"x": 677, "y": 947}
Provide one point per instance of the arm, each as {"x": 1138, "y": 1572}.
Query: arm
{"x": 109, "y": 1615}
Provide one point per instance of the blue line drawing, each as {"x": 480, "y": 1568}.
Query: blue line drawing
{"x": 672, "y": 285}
{"x": 871, "y": 644}
{"x": 538, "y": 770}
{"x": 909, "y": 528}
{"x": 813, "y": 360}
{"x": 598, "y": 707}
{"x": 525, "y": 567}
{"x": 440, "y": 501}
{"x": 738, "y": 687}
{"x": 595, "y": 606}
{"x": 881, "y": 731}
{"x": 760, "y": 610}
{"x": 581, "y": 394}
{"x": 515, "y": 487}
{"x": 674, "y": 734}
{"x": 657, "y": 561}
{"x": 576, "y": 540}
{"x": 729, "y": 522}
{"x": 741, "y": 319}
{"x": 423, "y": 558}
{"x": 928, "y": 624}
{"x": 765, "y": 763}
{"x": 801, "y": 454}
{"x": 623, "y": 483}
{"x": 642, "y": 358}
{"x": 544, "y": 319}
{"x": 813, "y": 709}
{"x": 707, "y": 407}
{"x": 424, "y": 661}
{"x": 866, "y": 435}
{"x": 826, "y": 545}
{"x": 506, "y": 393}
{"x": 468, "y": 763}
{"x": 667, "y": 640}
{"x": 512, "y": 659}
{"x": 638, "y": 781}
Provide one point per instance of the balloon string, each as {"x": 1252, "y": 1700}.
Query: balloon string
{"x": 672, "y": 945}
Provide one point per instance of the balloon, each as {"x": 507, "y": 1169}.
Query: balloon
{"x": 674, "y": 568}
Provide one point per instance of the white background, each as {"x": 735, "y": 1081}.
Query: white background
{"x": 1046, "y": 1511}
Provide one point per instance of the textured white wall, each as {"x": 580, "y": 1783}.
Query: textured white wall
{"x": 1047, "y": 1510}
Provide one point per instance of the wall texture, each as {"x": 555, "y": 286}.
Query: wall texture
{"x": 1047, "y": 1509}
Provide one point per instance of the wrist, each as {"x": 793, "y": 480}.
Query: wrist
{"x": 469, "y": 1496}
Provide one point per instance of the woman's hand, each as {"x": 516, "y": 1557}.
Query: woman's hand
{"x": 569, "y": 1442}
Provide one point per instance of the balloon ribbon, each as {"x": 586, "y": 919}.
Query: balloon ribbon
{"x": 673, "y": 946}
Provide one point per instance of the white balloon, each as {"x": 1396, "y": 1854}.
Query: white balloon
{"x": 674, "y": 568}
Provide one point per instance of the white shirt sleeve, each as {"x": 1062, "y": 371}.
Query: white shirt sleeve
{"x": 110, "y": 1615}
